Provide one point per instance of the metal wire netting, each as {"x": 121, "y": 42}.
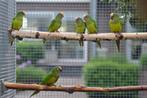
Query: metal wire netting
{"x": 87, "y": 65}
{"x": 7, "y": 54}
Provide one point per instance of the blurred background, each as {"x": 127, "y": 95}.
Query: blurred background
{"x": 29, "y": 60}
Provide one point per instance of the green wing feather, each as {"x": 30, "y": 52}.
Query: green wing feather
{"x": 10, "y": 37}
{"x": 50, "y": 79}
{"x": 96, "y": 27}
{"x": 51, "y": 26}
{"x": 91, "y": 26}
{"x": 95, "y": 24}
{"x": 54, "y": 26}
{"x": 12, "y": 22}
{"x": 17, "y": 23}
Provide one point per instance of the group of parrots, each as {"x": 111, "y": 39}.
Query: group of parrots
{"x": 81, "y": 25}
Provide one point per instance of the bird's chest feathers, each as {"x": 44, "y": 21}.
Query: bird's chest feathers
{"x": 80, "y": 27}
{"x": 115, "y": 26}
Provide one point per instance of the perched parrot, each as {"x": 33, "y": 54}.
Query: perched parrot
{"x": 55, "y": 24}
{"x": 80, "y": 28}
{"x": 115, "y": 24}
{"x": 16, "y": 25}
{"x": 50, "y": 79}
{"x": 92, "y": 27}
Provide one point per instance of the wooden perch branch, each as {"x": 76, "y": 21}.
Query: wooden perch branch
{"x": 71, "y": 89}
{"x": 74, "y": 36}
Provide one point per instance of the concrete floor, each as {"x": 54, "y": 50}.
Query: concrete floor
{"x": 49, "y": 94}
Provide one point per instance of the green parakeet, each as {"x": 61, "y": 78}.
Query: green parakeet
{"x": 55, "y": 23}
{"x": 91, "y": 27}
{"x": 80, "y": 28}
{"x": 50, "y": 79}
{"x": 16, "y": 25}
{"x": 115, "y": 24}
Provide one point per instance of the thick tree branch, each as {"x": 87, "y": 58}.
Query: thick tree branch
{"x": 74, "y": 36}
{"x": 71, "y": 89}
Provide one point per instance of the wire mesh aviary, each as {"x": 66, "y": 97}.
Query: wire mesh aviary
{"x": 73, "y": 48}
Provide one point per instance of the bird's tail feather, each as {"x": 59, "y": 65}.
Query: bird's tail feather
{"x": 98, "y": 43}
{"x": 118, "y": 45}
{"x": 81, "y": 40}
{"x": 44, "y": 41}
{"x": 10, "y": 37}
{"x": 34, "y": 93}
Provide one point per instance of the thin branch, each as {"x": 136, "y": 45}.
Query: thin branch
{"x": 71, "y": 89}
{"x": 74, "y": 36}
